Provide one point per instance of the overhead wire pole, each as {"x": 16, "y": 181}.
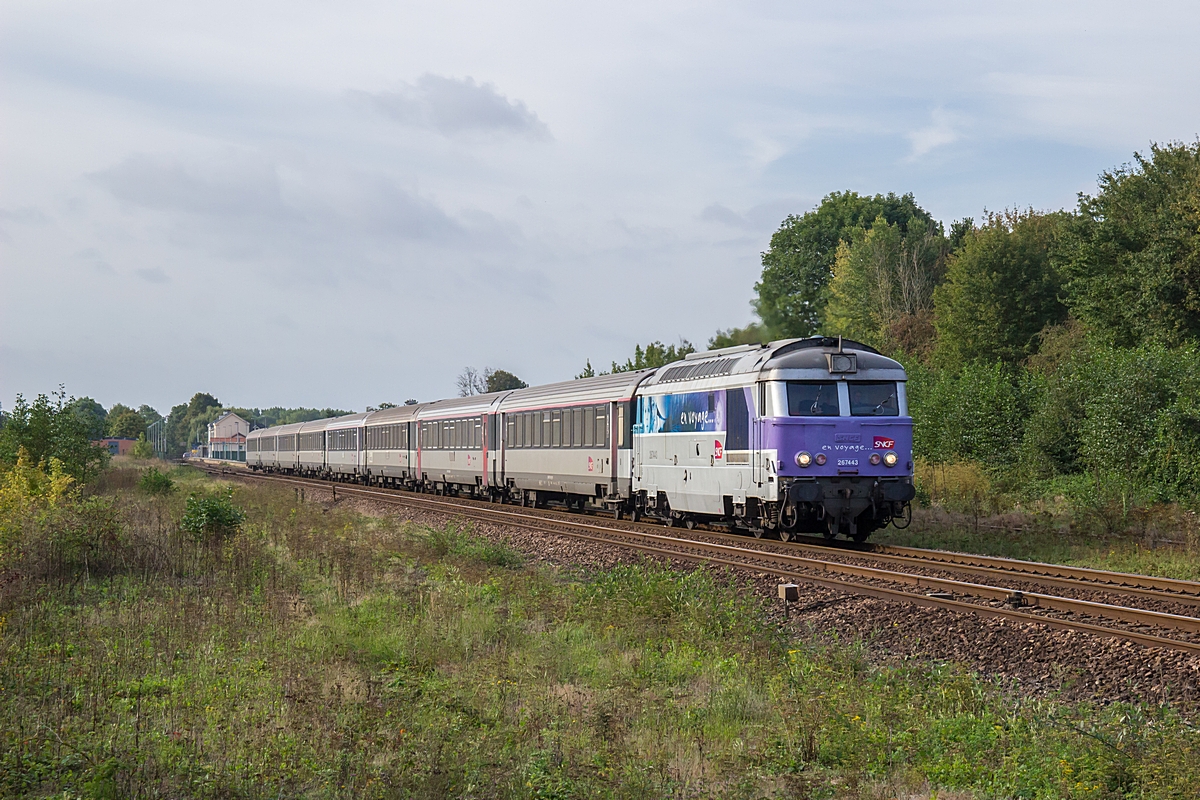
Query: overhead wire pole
{"x": 157, "y": 434}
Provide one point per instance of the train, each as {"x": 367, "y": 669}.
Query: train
{"x": 798, "y": 436}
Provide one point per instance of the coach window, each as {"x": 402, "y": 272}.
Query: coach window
{"x": 556, "y": 429}
{"x": 577, "y": 427}
{"x": 589, "y": 426}
{"x": 601, "y": 439}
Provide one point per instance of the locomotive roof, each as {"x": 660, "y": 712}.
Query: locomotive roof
{"x": 787, "y": 359}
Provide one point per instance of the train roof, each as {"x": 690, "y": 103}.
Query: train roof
{"x": 600, "y": 389}
{"x": 388, "y": 416}
{"x": 811, "y": 358}
{"x": 337, "y": 423}
{"x": 469, "y": 406}
{"x": 278, "y": 430}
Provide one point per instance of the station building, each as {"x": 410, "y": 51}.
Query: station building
{"x": 227, "y": 438}
{"x": 116, "y": 445}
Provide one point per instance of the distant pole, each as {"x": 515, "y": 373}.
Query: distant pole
{"x": 157, "y": 434}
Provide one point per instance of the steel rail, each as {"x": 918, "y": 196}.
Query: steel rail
{"x": 1125, "y": 581}
{"x": 1081, "y": 578}
{"x": 797, "y": 566}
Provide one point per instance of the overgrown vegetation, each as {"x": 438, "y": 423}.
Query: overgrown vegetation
{"x": 314, "y": 652}
{"x": 1054, "y": 356}
{"x": 48, "y": 431}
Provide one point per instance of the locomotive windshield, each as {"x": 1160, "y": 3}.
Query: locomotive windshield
{"x": 873, "y": 399}
{"x": 812, "y": 399}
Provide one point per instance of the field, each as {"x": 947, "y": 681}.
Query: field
{"x": 316, "y": 652}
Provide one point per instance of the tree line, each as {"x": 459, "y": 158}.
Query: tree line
{"x": 1054, "y": 351}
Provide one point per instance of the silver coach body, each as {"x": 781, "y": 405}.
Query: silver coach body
{"x": 552, "y": 441}
{"x": 391, "y": 443}
{"x": 451, "y": 440}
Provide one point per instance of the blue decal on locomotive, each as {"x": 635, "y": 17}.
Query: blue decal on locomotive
{"x": 681, "y": 413}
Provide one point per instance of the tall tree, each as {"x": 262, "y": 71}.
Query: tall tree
{"x": 798, "y": 264}
{"x": 1134, "y": 266}
{"x": 187, "y": 424}
{"x": 754, "y": 333}
{"x": 125, "y": 423}
{"x": 499, "y": 380}
{"x": 1002, "y": 289}
{"x": 470, "y": 382}
{"x": 883, "y": 281}
{"x": 149, "y": 414}
{"x": 92, "y": 413}
{"x": 655, "y": 354}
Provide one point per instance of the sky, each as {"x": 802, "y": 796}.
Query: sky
{"x": 318, "y": 204}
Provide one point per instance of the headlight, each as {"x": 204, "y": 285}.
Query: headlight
{"x": 803, "y": 459}
{"x": 874, "y": 459}
{"x": 890, "y": 458}
{"x": 820, "y": 459}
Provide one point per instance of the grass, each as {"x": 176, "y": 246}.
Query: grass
{"x": 318, "y": 653}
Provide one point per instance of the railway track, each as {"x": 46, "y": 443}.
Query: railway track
{"x": 889, "y": 573}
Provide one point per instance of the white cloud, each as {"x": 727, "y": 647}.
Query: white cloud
{"x": 453, "y": 106}
{"x": 943, "y": 131}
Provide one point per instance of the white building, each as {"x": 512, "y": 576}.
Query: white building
{"x": 227, "y": 437}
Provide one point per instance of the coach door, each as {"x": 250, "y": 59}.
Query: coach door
{"x": 491, "y": 448}
{"x": 757, "y": 431}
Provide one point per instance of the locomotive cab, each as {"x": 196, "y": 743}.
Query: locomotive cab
{"x": 837, "y": 416}
{"x": 799, "y": 436}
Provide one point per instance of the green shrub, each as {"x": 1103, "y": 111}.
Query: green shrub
{"x": 155, "y": 482}
{"x": 213, "y": 517}
{"x": 976, "y": 413}
{"x": 142, "y": 449}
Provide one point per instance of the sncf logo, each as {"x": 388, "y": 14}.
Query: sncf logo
{"x": 884, "y": 443}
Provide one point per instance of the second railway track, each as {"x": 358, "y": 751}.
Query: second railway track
{"x": 905, "y": 578}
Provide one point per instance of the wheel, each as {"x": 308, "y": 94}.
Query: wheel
{"x": 758, "y": 532}
{"x": 691, "y": 524}
{"x": 784, "y": 535}
{"x": 618, "y": 512}
{"x": 635, "y": 515}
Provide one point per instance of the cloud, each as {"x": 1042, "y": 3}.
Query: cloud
{"x": 228, "y": 187}
{"x": 724, "y": 215}
{"x": 244, "y": 196}
{"x": 152, "y": 275}
{"x": 942, "y": 132}
{"x": 452, "y": 107}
